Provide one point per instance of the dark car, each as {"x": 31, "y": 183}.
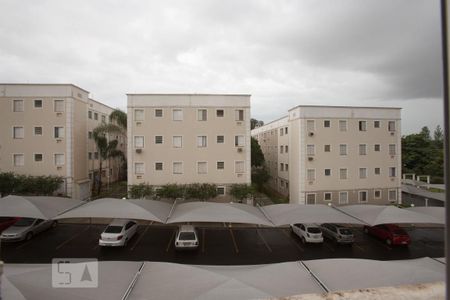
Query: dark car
{"x": 337, "y": 233}
{"x": 391, "y": 234}
{"x": 5, "y": 222}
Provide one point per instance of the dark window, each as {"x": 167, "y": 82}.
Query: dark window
{"x": 327, "y": 148}
{"x": 37, "y": 130}
{"x": 362, "y": 126}
{"x": 220, "y": 113}
{"x": 158, "y": 166}
{"x": 158, "y": 139}
{"x": 376, "y": 124}
{"x": 326, "y": 123}
{"x": 37, "y": 103}
{"x": 220, "y": 165}
{"x": 90, "y": 114}
{"x": 95, "y": 116}
{"x": 38, "y": 157}
{"x": 377, "y": 147}
{"x": 220, "y": 139}
{"x": 221, "y": 190}
{"x": 327, "y": 172}
{"x": 158, "y": 113}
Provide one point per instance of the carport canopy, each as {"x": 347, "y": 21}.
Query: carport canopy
{"x": 38, "y": 207}
{"x": 434, "y": 211}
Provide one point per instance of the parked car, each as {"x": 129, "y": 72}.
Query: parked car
{"x": 391, "y": 234}
{"x": 337, "y": 233}
{"x": 5, "y": 222}
{"x": 308, "y": 233}
{"x": 186, "y": 238}
{"x": 118, "y": 233}
{"x": 25, "y": 229}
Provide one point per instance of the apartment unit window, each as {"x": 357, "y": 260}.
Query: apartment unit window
{"x": 377, "y": 171}
{"x": 59, "y": 159}
{"x": 286, "y": 149}
{"x": 239, "y": 115}
{"x": 220, "y": 165}
{"x": 377, "y": 147}
{"x": 158, "y": 139}
{"x": 139, "y": 142}
{"x": 281, "y": 167}
{"x": 281, "y": 132}
{"x": 90, "y": 134}
{"x": 239, "y": 141}
{"x": 327, "y": 196}
{"x": 362, "y": 173}
{"x": 327, "y": 172}
{"x": 90, "y": 155}
{"x": 18, "y": 106}
{"x": 139, "y": 115}
{"x": 392, "y": 195}
{"x": 311, "y": 174}
{"x": 95, "y": 155}
{"x": 220, "y": 113}
{"x": 362, "y": 196}
{"x": 220, "y": 190}
{"x": 391, "y": 149}
{"x": 19, "y": 160}
{"x": 58, "y": 105}
{"x": 37, "y": 103}
{"x": 202, "y": 115}
{"x": 362, "y": 125}
{"x": 59, "y": 132}
{"x": 239, "y": 166}
{"x": 220, "y": 139}
{"x": 202, "y": 167}
{"x": 177, "y": 115}
{"x": 327, "y": 123}
{"x": 95, "y": 116}
{"x": 342, "y": 125}
{"x": 158, "y": 113}
{"x": 158, "y": 166}
{"x": 391, "y": 126}
{"x": 281, "y": 149}
{"x": 377, "y": 194}
{"x": 310, "y": 125}
{"x": 177, "y": 141}
{"x": 342, "y": 149}
{"x": 392, "y": 172}
{"x": 177, "y": 168}
{"x": 286, "y": 167}
{"x": 311, "y": 199}
{"x": 38, "y": 157}
{"x": 327, "y": 148}
{"x": 103, "y": 119}
{"x": 18, "y": 132}
{"x": 285, "y": 130}
{"x": 138, "y": 168}
{"x": 376, "y": 124}
{"x": 201, "y": 141}
{"x": 343, "y": 197}
{"x": 89, "y": 114}
{"x": 362, "y": 149}
{"x": 310, "y": 150}
{"x": 343, "y": 173}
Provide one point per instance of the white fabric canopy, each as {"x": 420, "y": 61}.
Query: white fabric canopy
{"x": 283, "y": 214}
{"x": 39, "y": 207}
{"x": 218, "y": 212}
{"x": 434, "y": 211}
{"x": 138, "y": 209}
{"x": 379, "y": 214}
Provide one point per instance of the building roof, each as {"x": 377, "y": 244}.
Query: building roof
{"x": 344, "y": 106}
{"x": 183, "y": 94}
{"x": 47, "y": 84}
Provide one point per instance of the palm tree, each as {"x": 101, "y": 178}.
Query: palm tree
{"x": 120, "y": 118}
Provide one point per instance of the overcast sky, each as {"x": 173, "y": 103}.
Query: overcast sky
{"x": 283, "y": 53}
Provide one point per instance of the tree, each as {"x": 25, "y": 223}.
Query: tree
{"x": 426, "y": 132}
{"x": 259, "y": 177}
{"x": 255, "y": 123}
{"x": 120, "y": 118}
{"x": 438, "y": 137}
{"x": 7, "y": 183}
{"x": 242, "y": 191}
{"x": 257, "y": 157}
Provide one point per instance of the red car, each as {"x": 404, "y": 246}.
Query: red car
{"x": 390, "y": 233}
{"x": 5, "y": 222}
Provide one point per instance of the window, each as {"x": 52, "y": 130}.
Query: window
{"x": 343, "y": 173}
{"x": 201, "y": 141}
{"x": 327, "y": 172}
{"x": 327, "y": 148}
{"x": 362, "y": 196}
{"x": 95, "y": 155}
{"x": 392, "y": 149}
{"x": 392, "y": 172}
{"x": 202, "y": 167}
{"x": 202, "y": 115}
{"x": 311, "y": 174}
{"x": 37, "y": 103}
{"x": 281, "y": 132}
{"x": 327, "y": 123}
{"x": 18, "y": 132}
{"x": 220, "y": 190}
{"x": 362, "y": 125}
{"x": 177, "y": 141}
{"x": 158, "y": 166}
{"x": 239, "y": 166}
{"x": 18, "y": 106}
{"x": 377, "y": 171}
{"x": 310, "y": 150}
{"x": 239, "y": 141}
{"x": 220, "y": 139}
{"x": 377, "y": 194}
{"x": 376, "y": 147}
{"x": 103, "y": 119}
{"x": 362, "y": 173}
{"x": 327, "y": 196}
{"x": 95, "y": 116}
{"x": 362, "y": 149}
{"x": 281, "y": 149}
{"x": 59, "y": 159}
{"x": 58, "y": 105}
{"x": 158, "y": 139}
{"x": 138, "y": 168}
{"x": 281, "y": 167}
{"x": 139, "y": 115}
{"x": 138, "y": 142}
{"x": 286, "y": 167}
{"x": 311, "y": 199}
{"x": 342, "y": 125}
{"x": 391, "y": 126}
{"x": 343, "y": 197}
{"x": 220, "y": 165}
{"x": 90, "y": 155}
{"x": 38, "y": 157}
{"x": 220, "y": 113}
{"x": 239, "y": 115}
{"x": 376, "y": 124}
{"x": 285, "y": 130}
{"x": 342, "y": 149}
{"x": 158, "y": 113}
{"x": 177, "y": 115}
{"x": 59, "y": 132}
{"x": 177, "y": 168}
{"x": 392, "y": 195}
{"x": 19, "y": 160}
{"x": 90, "y": 134}
{"x": 310, "y": 125}
{"x": 286, "y": 149}
{"x": 89, "y": 114}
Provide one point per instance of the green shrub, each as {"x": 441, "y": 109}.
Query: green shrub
{"x": 242, "y": 191}
{"x": 171, "y": 191}
{"x": 11, "y": 183}
{"x": 138, "y": 191}
{"x": 201, "y": 191}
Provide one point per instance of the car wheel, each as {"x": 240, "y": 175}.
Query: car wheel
{"x": 388, "y": 242}
{"x": 54, "y": 224}
{"x": 29, "y": 236}
{"x": 303, "y": 240}
{"x": 125, "y": 243}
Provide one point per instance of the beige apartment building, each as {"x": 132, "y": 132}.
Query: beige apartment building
{"x": 47, "y": 130}
{"x": 189, "y": 138}
{"x": 334, "y": 154}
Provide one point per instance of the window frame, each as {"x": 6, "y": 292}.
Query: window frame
{"x": 14, "y": 132}
{"x": 134, "y": 142}
{"x": 14, "y": 159}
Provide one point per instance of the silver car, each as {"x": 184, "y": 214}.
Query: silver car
{"x": 186, "y": 238}
{"x": 337, "y": 233}
{"x": 25, "y": 229}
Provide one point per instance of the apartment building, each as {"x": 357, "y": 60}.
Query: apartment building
{"x": 189, "y": 138}
{"x": 334, "y": 154}
{"x": 47, "y": 130}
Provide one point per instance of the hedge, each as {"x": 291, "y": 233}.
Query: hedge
{"x": 11, "y": 183}
{"x": 200, "y": 191}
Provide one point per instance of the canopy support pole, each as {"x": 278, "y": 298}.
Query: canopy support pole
{"x": 133, "y": 282}
{"x": 321, "y": 284}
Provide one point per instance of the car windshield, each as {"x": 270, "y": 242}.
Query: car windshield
{"x": 345, "y": 231}
{"x": 314, "y": 230}
{"x": 23, "y": 222}
{"x": 113, "y": 229}
{"x": 186, "y": 236}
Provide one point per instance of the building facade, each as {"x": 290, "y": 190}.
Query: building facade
{"x": 332, "y": 154}
{"x": 189, "y": 138}
{"x": 47, "y": 130}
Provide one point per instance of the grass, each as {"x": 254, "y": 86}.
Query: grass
{"x": 435, "y": 190}
{"x": 115, "y": 190}
{"x": 274, "y": 196}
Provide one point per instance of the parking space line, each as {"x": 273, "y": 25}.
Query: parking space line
{"x": 234, "y": 241}
{"x": 170, "y": 241}
{"x": 140, "y": 237}
{"x": 292, "y": 241}
{"x": 72, "y": 238}
{"x": 203, "y": 240}
{"x": 264, "y": 241}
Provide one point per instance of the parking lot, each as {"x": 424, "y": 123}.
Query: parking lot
{"x": 218, "y": 246}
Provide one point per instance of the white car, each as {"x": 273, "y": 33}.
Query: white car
{"x": 118, "y": 233}
{"x": 25, "y": 229}
{"x": 308, "y": 233}
{"x": 186, "y": 238}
